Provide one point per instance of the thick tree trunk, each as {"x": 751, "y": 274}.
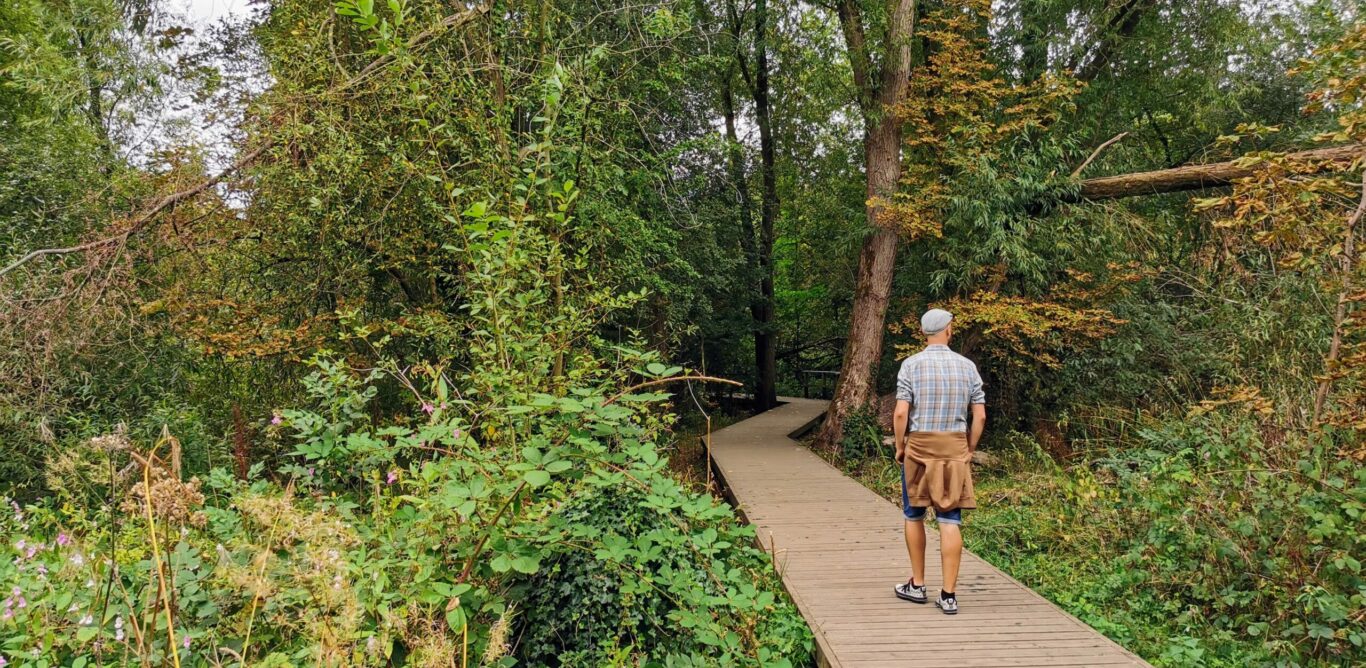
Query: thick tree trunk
{"x": 882, "y": 160}
{"x": 765, "y": 338}
{"x": 1197, "y": 177}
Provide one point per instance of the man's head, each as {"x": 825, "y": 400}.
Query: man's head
{"x": 937, "y": 325}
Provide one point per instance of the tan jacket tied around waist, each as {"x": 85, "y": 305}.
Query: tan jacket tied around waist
{"x": 939, "y": 470}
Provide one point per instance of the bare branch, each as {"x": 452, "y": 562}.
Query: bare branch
{"x": 1097, "y": 152}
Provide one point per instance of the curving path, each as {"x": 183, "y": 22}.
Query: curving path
{"x": 840, "y": 549}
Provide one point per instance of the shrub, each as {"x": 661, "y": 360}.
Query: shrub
{"x": 399, "y": 545}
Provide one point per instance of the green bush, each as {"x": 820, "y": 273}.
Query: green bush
{"x": 657, "y": 566}
{"x": 862, "y": 435}
{"x": 1209, "y": 541}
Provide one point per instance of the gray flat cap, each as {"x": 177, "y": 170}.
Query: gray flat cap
{"x": 935, "y": 320}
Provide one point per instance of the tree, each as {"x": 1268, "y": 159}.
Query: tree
{"x": 880, "y": 71}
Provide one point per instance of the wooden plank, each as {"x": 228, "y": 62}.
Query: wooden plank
{"x": 839, "y": 548}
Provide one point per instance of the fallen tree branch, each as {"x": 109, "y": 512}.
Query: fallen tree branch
{"x": 1197, "y": 177}
{"x": 169, "y": 201}
{"x": 142, "y": 220}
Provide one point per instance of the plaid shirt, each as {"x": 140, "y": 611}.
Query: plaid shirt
{"x": 941, "y": 385}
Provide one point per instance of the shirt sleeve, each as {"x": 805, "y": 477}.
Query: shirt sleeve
{"x": 904, "y": 391}
{"x": 978, "y": 394}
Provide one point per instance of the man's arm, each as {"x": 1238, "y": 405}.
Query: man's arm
{"x": 979, "y": 425}
{"x": 899, "y": 418}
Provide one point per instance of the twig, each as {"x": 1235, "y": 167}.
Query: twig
{"x": 1097, "y": 152}
{"x": 661, "y": 381}
{"x": 469, "y": 563}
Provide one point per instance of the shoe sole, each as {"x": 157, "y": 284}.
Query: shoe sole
{"x": 908, "y": 598}
{"x": 946, "y": 611}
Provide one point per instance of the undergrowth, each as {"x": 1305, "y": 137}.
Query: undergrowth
{"x": 1207, "y": 541}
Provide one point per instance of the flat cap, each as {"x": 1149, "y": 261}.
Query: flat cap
{"x": 935, "y": 320}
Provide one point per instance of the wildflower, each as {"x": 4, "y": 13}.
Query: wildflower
{"x": 21, "y": 603}
{"x": 457, "y": 433}
{"x": 393, "y": 476}
{"x": 89, "y": 583}
{"x": 77, "y": 559}
{"x": 3, "y": 661}
{"x": 42, "y": 570}
{"x": 16, "y": 592}
{"x": 73, "y": 608}
{"x": 428, "y": 408}
{"x": 276, "y": 419}
{"x": 8, "y": 614}
{"x": 63, "y": 539}
{"x": 186, "y": 642}
{"x": 118, "y": 629}
{"x": 372, "y": 646}
{"x": 21, "y": 545}
{"x": 87, "y": 620}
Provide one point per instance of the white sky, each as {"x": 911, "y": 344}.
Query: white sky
{"x": 204, "y": 12}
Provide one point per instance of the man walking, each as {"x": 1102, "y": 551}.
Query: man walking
{"x": 936, "y": 390}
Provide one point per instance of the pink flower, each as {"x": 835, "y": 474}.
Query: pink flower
{"x": 276, "y": 419}
{"x": 428, "y": 408}
{"x": 186, "y": 642}
{"x": 63, "y": 539}
{"x": 3, "y": 661}
{"x": 393, "y": 476}
{"x": 457, "y": 433}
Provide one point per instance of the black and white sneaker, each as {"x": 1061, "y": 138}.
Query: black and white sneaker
{"x": 908, "y": 591}
{"x": 948, "y": 605}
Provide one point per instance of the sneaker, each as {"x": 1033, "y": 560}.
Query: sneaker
{"x": 907, "y": 591}
{"x": 948, "y": 605}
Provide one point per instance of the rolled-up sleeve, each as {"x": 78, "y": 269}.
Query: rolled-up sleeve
{"x": 904, "y": 389}
{"x": 977, "y": 393}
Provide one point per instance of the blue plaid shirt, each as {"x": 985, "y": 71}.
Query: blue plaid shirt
{"x": 941, "y": 386}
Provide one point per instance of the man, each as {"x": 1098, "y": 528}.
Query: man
{"x": 936, "y": 390}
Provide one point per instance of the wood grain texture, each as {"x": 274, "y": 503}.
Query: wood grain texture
{"x": 840, "y": 550}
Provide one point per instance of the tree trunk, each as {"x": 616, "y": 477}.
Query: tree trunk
{"x": 765, "y": 338}
{"x": 1197, "y": 177}
{"x": 882, "y": 162}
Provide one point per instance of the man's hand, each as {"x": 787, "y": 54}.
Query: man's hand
{"x": 900, "y": 415}
{"x": 979, "y": 425}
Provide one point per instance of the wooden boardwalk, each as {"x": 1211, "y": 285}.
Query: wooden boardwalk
{"x": 840, "y": 549}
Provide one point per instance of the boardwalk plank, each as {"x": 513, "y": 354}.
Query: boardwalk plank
{"x": 839, "y": 549}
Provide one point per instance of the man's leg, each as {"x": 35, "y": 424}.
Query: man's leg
{"x": 915, "y": 546}
{"x": 950, "y": 551}
{"x": 915, "y": 533}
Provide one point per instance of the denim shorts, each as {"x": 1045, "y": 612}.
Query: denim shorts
{"x": 917, "y": 513}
